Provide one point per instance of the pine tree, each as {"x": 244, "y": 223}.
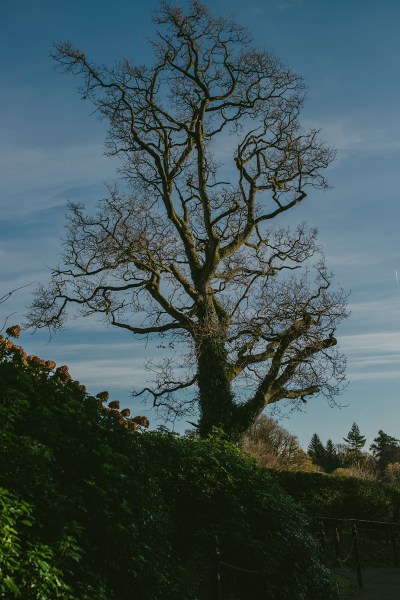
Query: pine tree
{"x": 386, "y": 449}
{"x": 331, "y": 460}
{"x": 316, "y": 450}
{"x": 355, "y": 441}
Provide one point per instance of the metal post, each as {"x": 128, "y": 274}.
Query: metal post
{"x": 323, "y": 541}
{"x": 337, "y": 546}
{"x": 357, "y": 555}
{"x": 217, "y": 590}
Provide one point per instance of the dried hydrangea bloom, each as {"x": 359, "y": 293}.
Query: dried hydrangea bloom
{"x": 14, "y": 331}
{"x": 35, "y": 361}
{"x": 20, "y": 354}
{"x": 132, "y": 425}
{"x": 142, "y": 421}
{"x": 62, "y": 374}
{"x": 8, "y": 344}
{"x": 50, "y": 364}
{"x": 103, "y": 396}
{"x": 126, "y": 412}
{"x": 114, "y": 404}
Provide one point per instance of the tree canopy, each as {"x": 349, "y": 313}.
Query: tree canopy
{"x": 188, "y": 248}
{"x": 274, "y": 447}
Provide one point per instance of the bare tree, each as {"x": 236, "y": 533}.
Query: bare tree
{"x": 189, "y": 251}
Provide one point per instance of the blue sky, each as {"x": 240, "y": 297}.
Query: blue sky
{"x": 51, "y": 150}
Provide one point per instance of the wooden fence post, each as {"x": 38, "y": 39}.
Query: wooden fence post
{"x": 337, "y": 546}
{"x": 323, "y": 541}
{"x": 357, "y": 555}
{"x": 217, "y": 591}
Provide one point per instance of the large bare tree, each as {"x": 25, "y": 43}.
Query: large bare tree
{"x": 213, "y": 153}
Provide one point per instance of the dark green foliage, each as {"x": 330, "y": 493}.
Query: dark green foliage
{"x": 331, "y": 459}
{"x": 354, "y": 439}
{"x": 214, "y": 488}
{"x": 342, "y": 497}
{"x": 126, "y": 515}
{"x": 27, "y": 569}
{"x": 386, "y": 449}
{"x": 316, "y": 450}
{"x": 86, "y": 478}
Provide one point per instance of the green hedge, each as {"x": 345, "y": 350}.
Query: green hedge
{"x": 128, "y": 515}
{"x": 342, "y": 497}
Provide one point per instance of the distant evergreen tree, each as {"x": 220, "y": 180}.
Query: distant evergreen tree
{"x": 331, "y": 459}
{"x": 354, "y": 440}
{"x": 386, "y": 450}
{"x": 316, "y": 450}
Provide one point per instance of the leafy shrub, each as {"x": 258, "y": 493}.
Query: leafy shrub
{"x": 85, "y": 476}
{"x": 215, "y": 489}
{"x": 137, "y": 513}
{"x": 342, "y": 497}
{"x": 27, "y": 569}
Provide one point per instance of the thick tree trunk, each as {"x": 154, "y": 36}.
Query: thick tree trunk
{"x": 216, "y": 400}
{"x": 215, "y": 394}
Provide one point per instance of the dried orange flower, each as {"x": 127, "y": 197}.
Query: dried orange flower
{"x": 126, "y": 412}
{"x": 114, "y": 404}
{"x": 35, "y": 361}
{"x": 132, "y": 426}
{"x": 62, "y": 374}
{"x": 21, "y": 354}
{"x": 142, "y": 421}
{"x": 8, "y": 344}
{"x": 14, "y": 331}
{"x": 103, "y": 396}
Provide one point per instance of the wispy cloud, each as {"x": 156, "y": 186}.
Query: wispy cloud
{"x": 376, "y": 342}
{"x": 355, "y": 136}
{"x": 34, "y": 179}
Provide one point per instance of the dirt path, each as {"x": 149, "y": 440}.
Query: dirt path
{"x": 379, "y": 583}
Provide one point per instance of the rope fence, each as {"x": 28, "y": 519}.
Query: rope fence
{"x": 216, "y": 573}
{"x": 356, "y": 526}
{"x": 345, "y": 538}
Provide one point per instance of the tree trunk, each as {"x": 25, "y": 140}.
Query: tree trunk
{"x": 215, "y": 394}
{"x": 217, "y": 406}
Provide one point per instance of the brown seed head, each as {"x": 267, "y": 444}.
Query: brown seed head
{"x": 14, "y": 331}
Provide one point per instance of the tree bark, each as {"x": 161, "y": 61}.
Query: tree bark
{"x": 216, "y": 402}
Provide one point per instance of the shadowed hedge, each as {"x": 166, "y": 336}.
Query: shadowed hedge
{"x": 342, "y": 497}
{"x": 127, "y": 514}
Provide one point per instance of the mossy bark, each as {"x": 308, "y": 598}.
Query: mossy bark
{"x": 216, "y": 400}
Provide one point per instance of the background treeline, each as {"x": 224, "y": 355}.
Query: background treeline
{"x": 276, "y": 448}
{"x": 350, "y": 457}
{"x": 338, "y": 481}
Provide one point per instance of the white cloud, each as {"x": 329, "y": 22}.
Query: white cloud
{"x": 33, "y": 179}
{"x": 355, "y": 136}
{"x": 372, "y": 342}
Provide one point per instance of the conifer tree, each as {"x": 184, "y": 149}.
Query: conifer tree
{"x": 331, "y": 459}
{"x": 316, "y": 450}
{"x": 354, "y": 440}
{"x": 386, "y": 449}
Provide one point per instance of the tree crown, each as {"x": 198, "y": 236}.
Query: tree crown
{"x": 190, "y": 251}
